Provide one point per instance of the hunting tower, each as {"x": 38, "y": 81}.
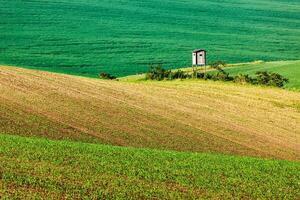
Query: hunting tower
{"x": 199, "y": 57}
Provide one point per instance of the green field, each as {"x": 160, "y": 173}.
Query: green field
{"x": 122, "y": 37}
{"x": 35, "y": 168}
{"x": 289, "y": 69}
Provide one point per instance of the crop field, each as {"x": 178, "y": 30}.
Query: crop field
{"x": 121, "y": 37}
{"x": 82, "y": 137}
{"x": 40, "y": 168}
{"x": 197, "y": 116}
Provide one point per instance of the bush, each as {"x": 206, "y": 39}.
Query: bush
{"x": 179, "y": 75}
{"x": 270, "y": 79}
{"x": 277, "y": 80}
{"x": 106, "y": 76}
{"x": 158, "y": 73}
{"x": 221, "y": 76}
{"x": 207, "y": 76}
{"x": 243, "y": 79}
{"x": 200, "y": 75}
{"x": 218, "y": 65}
{"x": 262, "y": 78}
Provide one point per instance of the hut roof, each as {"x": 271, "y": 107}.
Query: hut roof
{"x": 198, "y": 50}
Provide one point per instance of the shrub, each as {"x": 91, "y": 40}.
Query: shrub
{"x": 179, "y": 75}
{"x": 218, "y": 65}
{"x": 106, "y": 76}
{"x": 277, "y": 80}
{"x": 157, "y": 73}
{"x": 200, "y": 75}
{"x": 243, "y": 79}
{"x": 221, "y": 76}
{"x": 262, "y": 78}
{"x": 207, "y": 76}
{"x": 270, "y": 79}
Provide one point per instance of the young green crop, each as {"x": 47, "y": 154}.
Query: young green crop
{"x": 122, "y": 37}
{"x": 32, "y": 167}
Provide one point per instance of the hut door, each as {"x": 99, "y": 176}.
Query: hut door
{"x": 201, "y": 58}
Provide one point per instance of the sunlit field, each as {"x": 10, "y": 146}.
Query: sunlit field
{"x": 85, "y": 37}
{"x": 39, "y": 168}
{"x": 80, "y": 120}
{"x": 198, "y": 116}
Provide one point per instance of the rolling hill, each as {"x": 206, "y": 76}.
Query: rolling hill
{"x": 80, "y": 137}
{"x": 33, "y": 168}
{"x": 85, "y": 37}
{"x": 197, "y": 116}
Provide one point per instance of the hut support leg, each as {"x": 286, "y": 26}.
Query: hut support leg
{"x": 193, "y": 71}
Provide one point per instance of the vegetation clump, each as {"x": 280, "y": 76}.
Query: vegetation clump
{"x": 107, "y": 76}
{"x": 270, "y": 79}
{"x": 218, "y": 65}
{"x": 262, "y": 77}
{"x": 158, "y": 73}
{"x": 242, "y": 79}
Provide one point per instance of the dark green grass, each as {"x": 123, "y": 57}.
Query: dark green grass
{"x": 289, "y": 69}
{"x": 54, "y": 169}
{"x": 121, "y": 37}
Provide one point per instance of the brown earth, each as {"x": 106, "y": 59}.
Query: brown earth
{"x": 200, "y": 116}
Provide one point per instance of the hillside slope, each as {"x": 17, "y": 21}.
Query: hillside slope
{"x": 123, "y": 36}
{"x": 178, "y": 115}
{"x": 39, "y": 168}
